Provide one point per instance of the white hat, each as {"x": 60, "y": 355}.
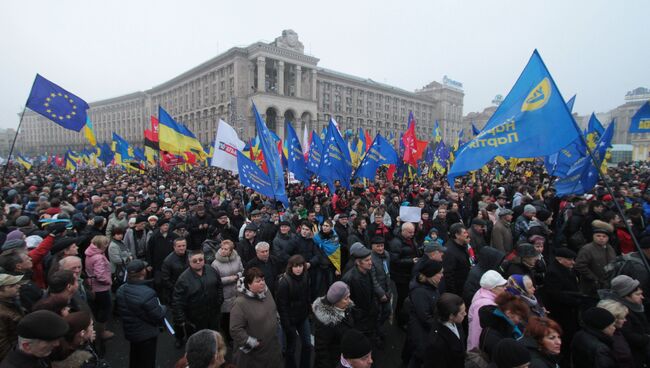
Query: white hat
{"x": 492, "y": 279}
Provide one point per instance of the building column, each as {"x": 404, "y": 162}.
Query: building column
{"x": 261, "y": 74}
{"x": 298, "y": 80}
{"x": 281, "y": 77}
{"x": 313, "y": 85}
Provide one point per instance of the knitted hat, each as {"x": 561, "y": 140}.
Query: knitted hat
{"x": 42, "y": 325}
{"x": 565, "y": 252}
{"x": 543, "y": 214}
{"x": 23, "y": 221}
{"x": 508, "y": 353}
{"x": 530, "y": 208}
{"x": 430, "y": 267}
{"x": 136, "y": 266}
{"x": 16, "y": 234}
{"x": 492, "y": 279}
{"x": 13, "y": 244}
{"x": 598, "y": 318}
{"x": 526, "y": 250}
{"x": 355, "y": 345}
{"x": 337, "y": 291}
{"x": 602, "y": 227}
{"x": 504, "y": 212}
{"x": 623, "y": 285}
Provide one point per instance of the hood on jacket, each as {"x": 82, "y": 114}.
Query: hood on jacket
{"x": 328, "y": 314}
{"x": 92, "y": 250}
{"x": 484, "y": 294}
{"x": 490, "y": 258}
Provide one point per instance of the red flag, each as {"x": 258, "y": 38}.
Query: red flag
{"x": 368, "y": 140}
{"x": 190, "y": 158}
{"x": 410, "y": 145}
{"x": 420, "y": 148}
{"x": 154, "y": 127}
{"x": 60, "y": 161}
{"x": 390, "y": 174}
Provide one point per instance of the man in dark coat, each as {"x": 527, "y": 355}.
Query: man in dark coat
{"x": 440, "y": 223}
{"x": 223, "y": 229}
{"x": 457, "y": 261}
{"x": 284, "y": 244}
{"x": 160, "y": 245}
{"x": 172, "y": 267}
{"x": 200, "y": 225}
{"x": 343, "y": 228}
{"x": 197, "y": 296}
{"x": 141, "y": 314}
{"x": 267, "y": 263}
{"x": 246, "y": 247}
{"x": 404, "y": 252}
{"x": 362, "y": 292}
{"x": 488, "y": 259}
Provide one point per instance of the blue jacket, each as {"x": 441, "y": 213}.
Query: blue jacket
{"x": 140, "y": 310}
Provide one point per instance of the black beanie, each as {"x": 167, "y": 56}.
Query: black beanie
{"x": 508, "y": 353}
{"x": 597, "y": 318}
{"x": 430, "y": 267}
{"x": 355, "y": 345}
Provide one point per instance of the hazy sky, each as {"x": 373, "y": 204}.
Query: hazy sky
{"x": 102, "y": 49}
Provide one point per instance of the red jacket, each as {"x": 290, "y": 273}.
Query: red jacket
{"x": 37, "y": 254}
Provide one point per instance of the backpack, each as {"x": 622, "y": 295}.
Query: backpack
{"x": 619, "y": 264}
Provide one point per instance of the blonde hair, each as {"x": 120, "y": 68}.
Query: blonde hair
{"x": 612, "y": 306}
{"x": 100, "y": 241}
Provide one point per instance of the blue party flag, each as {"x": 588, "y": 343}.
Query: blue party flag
{"x": 336, "y": 163}
{"x": 296, "y": 159}
{"x": 380, "y": 153}
{"x": 269, "y": 147}
{"x": 315, "y": 152}
{"x": 641, "y": 119}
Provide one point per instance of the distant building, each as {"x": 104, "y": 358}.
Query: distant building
{"x": 284, "y": 83}
{"x": 6, "y": 138}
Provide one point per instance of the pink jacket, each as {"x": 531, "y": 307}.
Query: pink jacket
{"x": 98, "y": 269}
{"x": 482, "y": 298}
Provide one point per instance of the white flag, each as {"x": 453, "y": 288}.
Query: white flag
{"x": 226, "y": 145}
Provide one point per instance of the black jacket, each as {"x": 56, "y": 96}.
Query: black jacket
{"x": 488, "y": 259}
{"x": 159, "y": 248}
{"x": 562, "y": 296}
{"x": 422, "y": 314}
{"x": 271, "y": 271}
{"x": 442, "y": 227}
{"x": 495, "y": 328}
{"x": 363, "y": 296}
{"x": 401, "y": 258}
{"x": 198, "y": 236}
{"x": 592, "y": 349}
{"x": 306, "y": 248}
{"x": 246, "y": 250}
{"x": 330, "y": 323}
{"x": 637, "y": 333}
{"x": 292, "y": 299}
{"x": 444, "y": 349}
{"x": 267, "y": 231}
{"x": 140, "y": 310}
{"x": 172, "y": 267}
{"x": 539, "y": 359}
{"x": 357, "y": 237}
{"x": 197, "y": 299}
{"x": 456, "y": 265}
{"x": 284, "y": 246}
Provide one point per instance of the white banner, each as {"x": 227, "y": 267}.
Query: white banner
{"x": 226, "y": 145}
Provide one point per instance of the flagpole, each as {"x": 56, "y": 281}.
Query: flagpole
{"x": 11, "y": 150}
{"x": 618, "y": 206}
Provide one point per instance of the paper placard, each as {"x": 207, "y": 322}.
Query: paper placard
{"x": 410, "y": 214}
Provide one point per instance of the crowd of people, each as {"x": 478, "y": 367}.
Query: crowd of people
{"x": 499, "y": 271}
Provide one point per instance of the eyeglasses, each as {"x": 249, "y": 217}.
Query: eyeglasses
{"x": 198, "y": 260}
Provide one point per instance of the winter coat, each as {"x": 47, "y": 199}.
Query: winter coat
{"x": 502, "y": 236}
{"x": 254, "y": 319}
{"x": 140, "y": 310}
{"x": 114, "y": 222}
{"x": 636, "y": 332}
{"x": 197, "y": 299}
{"x": 10, "y": 314}
{"x": 38, "y": 255}
{"x": 271, "y": 270}
{"x": 98, "y": 269}
{"x": 443, "y": 348}
{"x": 198, "y": 236}
{"x": 246, "y": 249}
{"x": 137, "y": 245}
{"x": 488, "y": 259}
{"x": 422, "y": 314}
{"x": 118, "y": 254}
{"x": 284, "y": 246}
{"x": 158, "y": 249}
{"x": 325, "y": 241}
{"x": 443, "y": 228}
{"x": 538, "y": 358}
{"x": 592, "y": 349}
{"x": 330, "y": 323}
{"x": 381, "y": 272}
{"x": 522, "y": 224}
{"x": 481, "y": 298}
{"x": 496, "y": 327}
{"x": 477, "y": 240}
{"x": 362, "y": 293}
{"x": 292, "y": 299}
{"x": 562, "y": 297}
{"x": 228, "y": 267}
{"x": 172, "y": 267}
{"x": 358, "y": 237}
{"x": 402, "y": 253}
{"x": 590, "y": 264}
{"x": 18, "y": 359}
{"x": 456, "y": 264}
{"x": 306, "y": 248}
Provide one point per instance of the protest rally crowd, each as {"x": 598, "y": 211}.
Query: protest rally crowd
{"x": 498, "y": 271}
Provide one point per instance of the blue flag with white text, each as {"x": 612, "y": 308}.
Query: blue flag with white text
{"x": 253, "y": 177}
{"x": 296, "y": 159}
{"x": 532, "y": 121}
{"x": 273, "y": 161}
{"x": 336, "y": 163}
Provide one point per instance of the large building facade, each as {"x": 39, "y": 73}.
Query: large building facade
{"x": 284, "y": 83}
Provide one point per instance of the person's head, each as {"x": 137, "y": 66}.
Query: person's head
{"x": 601, "y": 237}
{"x": 459, "y": 234}
{"x": 356, "y": 349}
{"x": 628, "y": 289}
{"x": 451, "y": 308}
{"x": 408, "y": 230}
{"x": 305, "y": 230}
{"x": 262, "y": 251}
{"x": 565, "y": 257}
{"x": 343, "y": 219}
{"x": 226, "y": 247}
{"x": 71, "y": 263}
{"x": 377, "y": 244}
{"x": 600, "y": 319}
{"x": 442, "y": 213}
{"x": 80, "y": 328}
{"x": 338, "y": 295}
{"x": 63, "y": 282}
{"x": 39, "y": 333}
{"x": 101, "y": 242}
{"x": 222, "y": 217}
{"x": 16, "y": 261}
{"x": 433, "y": 250}
{"x": 254, "y": 280}
{"x": 9, "y": 286}
{"x": 512, "y": 307}
{"x": 285, "y": 227}
{"x": 617, "y": 309}
{"x": 296, "y": 265}
{"x": 326, "y": 227}
{"x": 431, "y": 272}
{"x": 250, "y": 231}
{"x": 546, "y": 332}
{"x": 118, "y": 233}
{"x": 196, "y": 259}
{"x": 205, "y": 349}
{"x": 493, "y": 281}
{"x": 180, "y": 246}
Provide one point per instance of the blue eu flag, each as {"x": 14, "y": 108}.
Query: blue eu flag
{"x": 253, "y": 177}
{"x": 336, "y": 163}
{"x": 532, "y": 121}
{"x": 380, "y": 153}
{"x": 296, "y": 160}
{"x": 315, "y": 151}
{"x": 583, "y": 175}
{"x": 57, "y": 104}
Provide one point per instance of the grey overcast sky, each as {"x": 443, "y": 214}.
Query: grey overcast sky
{"x": 101, "y": 49}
